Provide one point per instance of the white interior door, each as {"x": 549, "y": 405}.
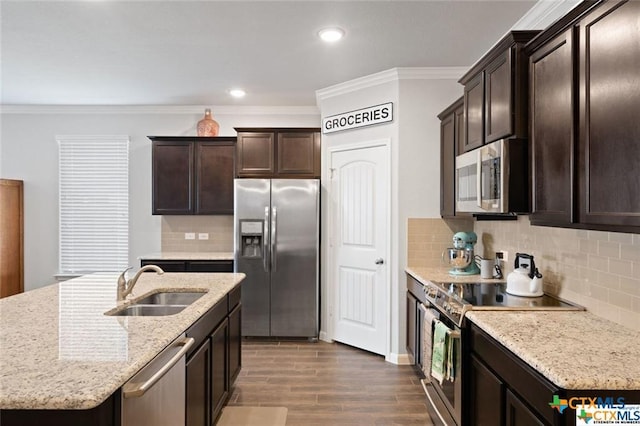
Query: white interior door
{"x": 359, "y": 244}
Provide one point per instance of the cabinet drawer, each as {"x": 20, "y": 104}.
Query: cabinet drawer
{"x": 234, "y": 297}
{"x": 521, "y": 377}
{"x": 210, "y": 266}
{"x": 166, "y": 265}
{"x": 201, "y": 329}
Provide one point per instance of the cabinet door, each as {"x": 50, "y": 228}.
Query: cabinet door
{"x": 447, "y": 165}
{"x": 197, "y": 376}
{"x": 552, "y": 134}
{"x": 255, "y": 154}
{"x": 219, "y": 368}
{"x": 609, "y": 104}
{"x": 459, "y": 132}
{"x": 298, "y": 154}
{"x": 235, "y": 343}
{"x": 411, "y": 326}
{"x": 11, "y": 237}
{"x": 498, "y": 98}
{"x": 486, "y": 395}
{"x": 172, "y": 177}
{"x": 474, "y": 113}
{"x": 215, "y": 170}
{"x": 518, "y": 414}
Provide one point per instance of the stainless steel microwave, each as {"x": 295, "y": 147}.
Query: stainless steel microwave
{"x": 493, "y": 178}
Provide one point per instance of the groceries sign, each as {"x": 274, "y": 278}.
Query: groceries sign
{"x": 360, "y": 118}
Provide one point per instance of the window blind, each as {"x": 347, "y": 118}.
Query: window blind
{"x": 94, "y": 203}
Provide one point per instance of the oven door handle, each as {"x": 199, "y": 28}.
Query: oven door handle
{"x": 454, "y": 334}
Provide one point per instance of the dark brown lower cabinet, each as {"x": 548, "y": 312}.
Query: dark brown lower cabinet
{"x": 198, "y": 371}
{"x": 503, "y": 389}
{"x": 190, "y": 265}
{"x": 235, "y": 342}
{"x": 487, "y": 395}
{"x": 214, "y": 365}
{"x": 219, "y": 368}
{"x": 518, "y": 414}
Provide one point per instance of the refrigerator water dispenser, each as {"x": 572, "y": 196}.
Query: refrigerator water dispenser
{"x": 251, "y": 237}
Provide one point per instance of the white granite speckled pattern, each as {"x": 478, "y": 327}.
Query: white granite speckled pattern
{"x": 574, "y": 350}
{"x": 59, "y": 351}
{"x": 172, "y": 255}
{"x": 423, "y": 274}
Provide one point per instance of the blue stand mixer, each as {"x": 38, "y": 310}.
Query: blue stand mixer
{"x": 461, "y": 257}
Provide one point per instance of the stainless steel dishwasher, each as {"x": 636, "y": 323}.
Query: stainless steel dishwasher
{"x": 155, "y": 396}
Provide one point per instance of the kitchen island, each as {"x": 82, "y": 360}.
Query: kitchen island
{"x": 59, "y": 351}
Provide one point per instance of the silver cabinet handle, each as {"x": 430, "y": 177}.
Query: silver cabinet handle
{"x": 379, "y": 261}
{"x": 265, "y": 240}
{"x": 274, "y": 242}
{"x": 134, "y": 390}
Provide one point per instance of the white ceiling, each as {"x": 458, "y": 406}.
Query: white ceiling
{"x": 107, "y": 52}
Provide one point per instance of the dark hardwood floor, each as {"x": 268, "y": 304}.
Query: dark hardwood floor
{"x": 328, "y": 384}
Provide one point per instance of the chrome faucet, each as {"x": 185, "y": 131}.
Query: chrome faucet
{"x": 125, "y": 287}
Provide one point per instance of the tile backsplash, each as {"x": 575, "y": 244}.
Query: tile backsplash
{"x": 219, "y": 228}
{"x": 598, "y": 270}
{"x": 428, "y": 238}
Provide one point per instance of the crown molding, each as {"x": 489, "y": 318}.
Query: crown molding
{"x": 159, "y": 109}
{"x": 391, "y": 75}
{"x": 544, "y": 13}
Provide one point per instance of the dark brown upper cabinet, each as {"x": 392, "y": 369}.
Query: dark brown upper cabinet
{"x": 609, "y": 129}
{"x": 552, "y": 137}
{"x": 193, "y": 175}
{"x": 473, "y": 113}
{"x": 278, "y": 152}
{"x": 495, "y": 93}
{"x": 584, "y": 128}
{"x": 451, "y": 135}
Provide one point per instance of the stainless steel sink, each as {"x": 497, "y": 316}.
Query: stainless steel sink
{"x": 148, "y": 310}
{"x": 170, "y": 298}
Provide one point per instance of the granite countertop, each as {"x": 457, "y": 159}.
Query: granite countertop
{"x": 574, "y": 350}
{"x": 59, "y": 351}
{"x": 175, "y": 255}
{"x": 441, "y": 274}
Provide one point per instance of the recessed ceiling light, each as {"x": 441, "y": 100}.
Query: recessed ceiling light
{"x": 331, "y": 35}
{"x": 237, "y": 93}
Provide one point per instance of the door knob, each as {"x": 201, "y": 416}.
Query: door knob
{"x": 379, "y": 261}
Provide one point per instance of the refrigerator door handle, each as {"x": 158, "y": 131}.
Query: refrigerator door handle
{"x": 265, "y": 240}
{"x": 274, "y": 248}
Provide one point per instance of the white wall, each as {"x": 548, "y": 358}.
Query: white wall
{"x": 29, "y": 152}
{"x": 418, "y": 96}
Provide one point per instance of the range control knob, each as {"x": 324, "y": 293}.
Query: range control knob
{"x": 455, "y": 309}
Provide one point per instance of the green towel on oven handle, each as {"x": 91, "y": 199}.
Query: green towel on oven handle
{"x": 439, "y": 350}
{"x": 451, "y": 358}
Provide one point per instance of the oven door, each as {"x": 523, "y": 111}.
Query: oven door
{"x": 445, "y": 399}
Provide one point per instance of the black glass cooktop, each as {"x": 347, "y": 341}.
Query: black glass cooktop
{"x": 492, "y": 296}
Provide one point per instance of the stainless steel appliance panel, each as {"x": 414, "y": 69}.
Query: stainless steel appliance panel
{"x": 294, "y": 257}
{"x": 253, "y": 203}
{"x": 155, "y": 396}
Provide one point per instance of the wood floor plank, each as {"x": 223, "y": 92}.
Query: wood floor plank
{"x": 328, "y": 384}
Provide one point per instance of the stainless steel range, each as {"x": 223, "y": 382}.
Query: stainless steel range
{"x": 447, "y": 303}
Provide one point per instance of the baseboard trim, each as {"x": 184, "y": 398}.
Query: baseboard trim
{"x": 399, "y": 359}
{"x": 324, "y": 336}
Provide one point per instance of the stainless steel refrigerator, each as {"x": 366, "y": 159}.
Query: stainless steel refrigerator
{"x": 277, "y": 247}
